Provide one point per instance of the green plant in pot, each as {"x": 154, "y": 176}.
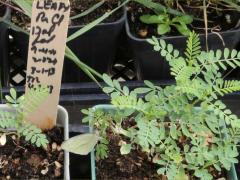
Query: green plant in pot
{"x": 164, "y": 22}
{"x": 215, "y": 21}
{"x": 184, "y": 130}
{"x": 15, "y": 121}
{"x": 26, "y": 151}
{"x": 178, "y": 17}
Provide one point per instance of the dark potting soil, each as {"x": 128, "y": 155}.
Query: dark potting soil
{"x": 220, "y": 18}
{"x": 134, "y": 166}
{"x": 21, "y": 160}
{"x": 21, "y": 20}
{"x": 77, "y": 7}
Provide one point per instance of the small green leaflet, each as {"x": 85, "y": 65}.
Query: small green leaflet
{"x": 81, "y": 144}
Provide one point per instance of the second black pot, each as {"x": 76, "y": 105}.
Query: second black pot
{"x": 150, "y": 65}
{"x": 96, "y": 48}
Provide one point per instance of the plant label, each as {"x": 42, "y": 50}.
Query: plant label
{"x": 49, "y": 25}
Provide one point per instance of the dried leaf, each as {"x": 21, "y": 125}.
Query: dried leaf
{"x": 14, "y": 137}
{"x": 57, "y": 164}
{"x": 3, "y": 139}
{"x": 54, "y": 146}
{"x": 44, "y": 171}
{"x": 81, "y": 144}
{"x": 34, "y": 160}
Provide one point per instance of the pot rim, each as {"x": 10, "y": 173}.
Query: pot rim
{"x": 62, "y": 121}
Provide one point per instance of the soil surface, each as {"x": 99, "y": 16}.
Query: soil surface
{"x": 220, "y": 18}
{"x": 21, "y": 160}
{"x": 77, "y": 7}
{"x": 21, "y": 20}
{"x": 134, "y": 166}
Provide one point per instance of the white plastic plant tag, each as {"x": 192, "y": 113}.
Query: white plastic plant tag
{"x": 47, "y": 44}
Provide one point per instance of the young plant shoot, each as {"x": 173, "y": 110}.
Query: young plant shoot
{"x": 15, "y": 121}
{"x": 165, "y": 18}
{"x": 164, "y": 23}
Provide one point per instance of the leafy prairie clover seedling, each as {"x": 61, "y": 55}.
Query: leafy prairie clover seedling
{"x": 165, "y": 23}
{"x": 16, "y": 120}
{"x": 184, "y": 128}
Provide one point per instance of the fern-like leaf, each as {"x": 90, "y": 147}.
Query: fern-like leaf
{"x": 193, "y": 47}
{"x": 128, "y": 102}
{"x": 7, "y": 120}
{"x": 166, "y": 50}
{"x": 228, "y": 86}
{"x": 177, "y": 65}
{"x": 32, "y": 99}
{"x": 219, "y": 108}
{"x": 218, "y": 60}
{"x": 148, "y": 134}
{"x": 33, "y": 134}
{"x": 195, "y": 87}
{"x": 181, "y": 71}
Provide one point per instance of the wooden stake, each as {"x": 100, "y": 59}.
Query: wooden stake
{"x": 47, "y": 44}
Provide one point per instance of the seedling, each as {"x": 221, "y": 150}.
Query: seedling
{"x": 165, "y": 23}
{"x": 16, "y": 121}
{"x": 165, "y": 17}
{"x": 184, "y": 128}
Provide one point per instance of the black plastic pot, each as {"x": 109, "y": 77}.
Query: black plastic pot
{"x": 4, "y": 67}
{"x": 80, "y": 166}
{"x": 150, "y": 65}
{"x": 96, "y": 48}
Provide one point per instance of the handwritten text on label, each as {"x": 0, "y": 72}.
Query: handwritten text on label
{"x": 46, "y": 53}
